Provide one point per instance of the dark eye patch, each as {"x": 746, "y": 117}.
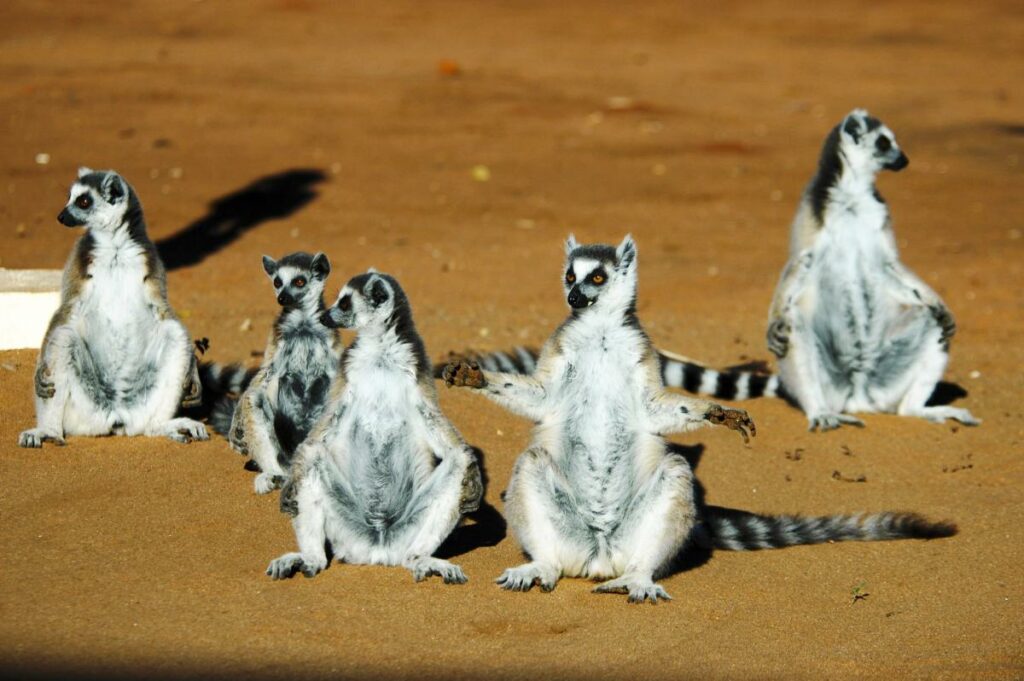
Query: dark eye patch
{"x": 570, "y": 276}
{"x": 883, "y": 143}
{"x": 345, "y": 304}
{"x": 84, "y": 201}
{"x": 299, "y": 282}
{"x": 598, "y": 277}
{"x": 277, "y": 282}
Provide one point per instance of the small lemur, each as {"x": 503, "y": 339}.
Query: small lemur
{"x": 384, "y": 477}
{"x": 115, "y": 358}
{"x": 853, "y": 328}
{"x": 289, "y": 392}
{"x": 599, "y": 493}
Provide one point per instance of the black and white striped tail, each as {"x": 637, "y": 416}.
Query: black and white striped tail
{"x": 742, "y": 531}
{"x": 520, "y": 360}
{"x": 224, "y": 379}
{"x": 676, "y": 372}
{"x": 729, "y": 384}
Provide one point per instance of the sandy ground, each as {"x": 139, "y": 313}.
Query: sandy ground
{"x": 268, "y": 127}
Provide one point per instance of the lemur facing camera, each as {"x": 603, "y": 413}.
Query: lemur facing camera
{"x": 384, "y": 477}
{"x": 853, "y": 328}
{"x": 289, "y": 392}
{"x": 599, "y": 493}
{"x": 115, "y": 358}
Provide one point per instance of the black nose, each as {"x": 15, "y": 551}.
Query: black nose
{"x": 285, "y": 298}
{"x": 67, "y": 219}
{"x": 328, "y": 320}
{"x": 576, "y": 298}
{"x": 900, "y": 163}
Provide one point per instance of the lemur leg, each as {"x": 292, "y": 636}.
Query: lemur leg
{"x": 310, "y": 531}
{"x": 807, "y": 380}
{"x": 170, "y": 353}
{"x": 542, "y": 516}
{"x": 924, "y": 375}
{"x": 434, "y": 513}
{"x": 672, "y": 413}
{"x": 653, "y": 531}
{"x": 261, "y": 442}
{"x": 52, "y": 389}
{"x": 523, "y": 395}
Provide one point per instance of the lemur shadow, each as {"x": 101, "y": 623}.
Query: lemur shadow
{"x": 269, "y": 198}
{"x": 487, "y": 529}
{"x": 696, "y": 552}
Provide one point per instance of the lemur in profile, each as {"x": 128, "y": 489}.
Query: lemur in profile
{"x": 384, "y": 477}
{"x": 115, "y": 359}
{"x": 853, "y": 328}
{"x": 289, "y": 392}
{"x": 599, "y": 493}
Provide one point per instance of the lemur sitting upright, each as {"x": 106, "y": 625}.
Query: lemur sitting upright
{"x": 599, "y": 494}
{"x": 286, "y": 397}
{"x": 384, "y": 476}
{"x": 854, "y": 329}
{"x": 115, "y": 358}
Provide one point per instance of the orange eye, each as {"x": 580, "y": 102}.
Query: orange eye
{"x": 299, "y": 283}
{"x": 571, "y": 278}
{"x": 598, "y": 279}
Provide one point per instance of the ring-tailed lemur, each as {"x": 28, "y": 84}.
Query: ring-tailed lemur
{"x": 599, "y": 494}
{"x": 384, "y": 476}
{"x": 854, "y": 329}
{"x": 286, "y": 397}
{"x": 115, "y": 358}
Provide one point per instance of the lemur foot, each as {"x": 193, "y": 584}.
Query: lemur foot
{"x": 183, "y": 430}
{"x": 825, "y": 422}
{"x": 289, "y": 564}
{"x": 524, "y": 577}
{"x": 463, "y": 374}
{"x": 266, "y": 483}
{"x": 778, "y": 337}
{"x": 287, "y": 501}
{"x": 733, "y": 419}
{"x": 422, "y": 568}
{"x": 35, "y": 437}
{"x": 940, "y": 414}
{"x": 472, "y": 489}
{"x": 640, "y": 589}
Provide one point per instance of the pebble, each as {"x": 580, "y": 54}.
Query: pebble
{"x": 42, "y": 158}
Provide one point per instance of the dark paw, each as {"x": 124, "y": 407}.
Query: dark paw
{"x": 942, "y": 315}
{"x": 778, "y": 337}
{"x": 463, "y": 374}
{"x": 288, "y": 502}
{"x": 733, "y": 419}
{"x": 472, "y": 490}
{"x": 44, "y": 386}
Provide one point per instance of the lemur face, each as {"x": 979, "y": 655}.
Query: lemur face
{"x": 599, "y": 275}
{"x": 367, "y": 300}
{"x": 869, "y": 144}
{"x": 97, "y": 200}
{"x": 298, "y": 278}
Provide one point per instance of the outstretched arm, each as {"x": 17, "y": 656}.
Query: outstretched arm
{"x": 791, "y": 283}
{"x": 523, "y": 395}
{"x": 911, "y": 290}
{"x": 671, "y": 413}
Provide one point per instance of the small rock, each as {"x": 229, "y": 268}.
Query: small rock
{"x": 246, "y": 325}
{"x": 481, "y": 173}
{"x": 975, "y": 374}
{"x": 42, "y": 158}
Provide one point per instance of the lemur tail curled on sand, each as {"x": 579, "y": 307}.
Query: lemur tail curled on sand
{"x": 289, "y": 392}
{"x": 115, "y": 360}
{"x": 854, "y": 330}
{"x": 384, "y": 477}
{"x": 598, "y": 493}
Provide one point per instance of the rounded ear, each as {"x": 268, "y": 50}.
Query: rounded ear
{"x": 625, "y": 254}
{"x": 377, "y": 290}
{"x": 83, "y": 171}
{"x": 571, "y": 245}
{"x": 269, "y": 265}
{"x": 853, "y": 125}
{"x": 372, "y": 270}
{"x": 113, "y": 188}
{"x": 321, "y": 266}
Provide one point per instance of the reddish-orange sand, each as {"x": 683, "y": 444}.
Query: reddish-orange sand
{"x": 692, "y": 125}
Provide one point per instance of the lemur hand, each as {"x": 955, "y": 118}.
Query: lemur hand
{"x": 44, "y": 386}
{"x": 192, "y": 391}
{"x": 945, "y": 319}
{"x": 733, "y": 419}
{"x": 778, "y": 337}
{"x": 472, "y": 489}
{"x": 463, "y": 374}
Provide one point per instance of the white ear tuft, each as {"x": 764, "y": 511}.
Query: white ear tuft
{"x": 626, "y": 252}
{"x": 372, "y": 270}
{"x": 83, "y": 171}
{"x": 571, "y": 244}
{"x": 269, "y": 266}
